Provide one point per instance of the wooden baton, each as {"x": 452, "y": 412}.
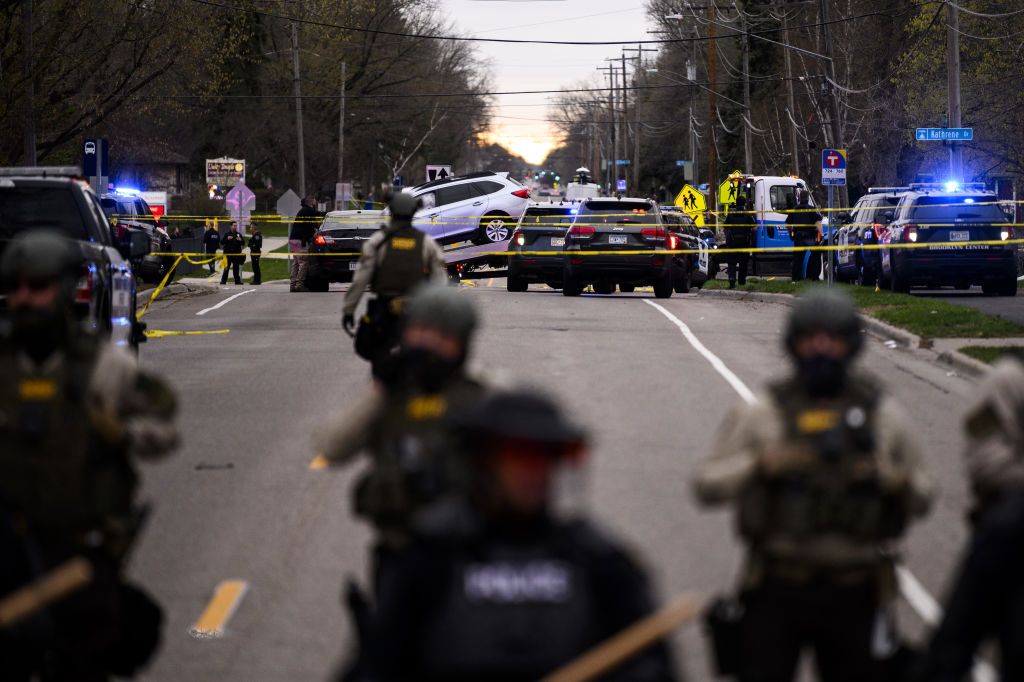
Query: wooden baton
{"x": 54, "y": 585}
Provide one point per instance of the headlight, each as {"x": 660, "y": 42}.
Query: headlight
{"x": 1004, "y": 235}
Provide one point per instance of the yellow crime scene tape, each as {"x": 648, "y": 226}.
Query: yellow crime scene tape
{"x": 161, "y": 333}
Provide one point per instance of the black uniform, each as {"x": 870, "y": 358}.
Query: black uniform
{"x": 255, "y": 250}
{"x": 739, "y": 234}
{"x": 478, "y": 600}
{"x": 211, "y": 240}
{"x": 802, "y": 226}
{"x": 232, "y": 245}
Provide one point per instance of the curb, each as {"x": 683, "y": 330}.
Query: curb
{"x": 172, "y": 289}
{"x": 882, "y": 330}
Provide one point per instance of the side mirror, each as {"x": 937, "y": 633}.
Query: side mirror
{"x": 888, "y": 216}
{"x": 844, "y": 218}
{"x": 707, "y": 234}
{"x": 139, "y": 245}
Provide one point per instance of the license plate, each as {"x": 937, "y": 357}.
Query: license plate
{"x": 558, "y": 241}
{"x": 618, "y": 239}
{"x": 352, "y": 265}
{"x": 959, "y": 235}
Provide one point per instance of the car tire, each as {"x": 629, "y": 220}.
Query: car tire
{"x": 684, "y": 282}
{"x": 1009, "y": 287}
{"x": 571, "y": 286}
{"x": 627, "y": 288}
{"x": 317, "y": 284}
{"x": 516, "y": 284}
{"x": 554, "y": 285}
{"x": 897, "y": 284}
{"x": 494, "y": 228}
{"x": 663, "y": 286}
{"x": 604, "y": 288}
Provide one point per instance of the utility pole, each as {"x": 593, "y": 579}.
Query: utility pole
{"x": 625, "y": 118}
{"x": 640, "y": 49}
{"x": 832, "y": 97}
{"x": 612, "y": 122}
{"x": 297, "y": 90}
{"x": 790, "y": 99}
{"x": 691, "y": 74}
{"x": 341, "y": 127}
{"x": 748, "y": 153}
{"x": 712, "y": 109}
{"x": 30, "y": 86}
{"x": 956, "y": 163}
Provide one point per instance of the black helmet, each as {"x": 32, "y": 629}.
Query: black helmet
{"x": 403, "y": 205}
{"x": 38, "y": 254}
{"x": 522, "y": 415}
{"x": 741, "y": 202}
{"x": 825, "y": 310}
{"x": 442, "y": 307}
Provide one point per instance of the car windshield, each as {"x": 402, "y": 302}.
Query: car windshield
{"x": 950, "y": 209}
{"x": 618, "y": 213}
{"x": 23, "y": 208}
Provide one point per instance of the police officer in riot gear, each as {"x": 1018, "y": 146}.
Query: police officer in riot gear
{"x": 825, "y": 476}
{"x": 393, "y": 262}
{"x": 739, "y": 234}
{"x": 74, "y": 411}
{"x": 495, "y": 586}
{"x": 804, "y": 225}
{"x": 402, "y": 424}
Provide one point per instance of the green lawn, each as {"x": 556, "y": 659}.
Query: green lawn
{"x": 922, "y": 316}
{"x": 990, "y": 354}
{"x": 270, "y": 268}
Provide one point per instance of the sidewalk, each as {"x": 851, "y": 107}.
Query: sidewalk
{"x": 269, "y": 244}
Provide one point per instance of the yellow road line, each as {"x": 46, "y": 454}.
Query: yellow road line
{"x": 160, "y": 333}
{"x": 226, "y": 599}
{"x": 319, "y": 463}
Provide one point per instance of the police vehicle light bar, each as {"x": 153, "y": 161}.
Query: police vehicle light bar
{"x": 44, "y": 171}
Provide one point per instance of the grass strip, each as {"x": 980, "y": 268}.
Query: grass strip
{"x": 926, "y": 317}
{"x": 989, "y": 354}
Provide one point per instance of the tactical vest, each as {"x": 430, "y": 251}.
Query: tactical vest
{"x": 837, "y": 491}
{"x": 55, "y": 474}
{"x": 402, "y": 266}
{"x": 509, "y": 612}
{"x": 414, "y": 459}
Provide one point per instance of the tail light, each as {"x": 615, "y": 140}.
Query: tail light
{"x": 653, "y": 234}
{"x": 673, "y": 242}
{"x": 121, "y": 233}
{"x": 519, "y": 238}
{"x": 522, "y": 193}
{"x": 910, "y": 233}
{"x": 83, "y": 290}
{"x": 321, "y": 240}
{"x": 581, "y": 232}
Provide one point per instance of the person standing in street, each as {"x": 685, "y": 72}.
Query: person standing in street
{"x": 394, "y": 261}
{"x": 987, "y": 596}
{"x": 402, "y": 425}
{"x": 826, "y": 475}
{"x": 75, "y": 413}
{"x": 232, "y": 245}
{"x": 739, "y": 234}
{"x": 211, "y": 242}
{"x": 299, "y": 235}
{"x": 255, "y": 253}
{"x": 804, "y": 225}
{"x": 495, "y": 584}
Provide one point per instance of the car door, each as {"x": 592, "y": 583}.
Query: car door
{"x": 775, "y": 199}
{"x": 455, "y": 211}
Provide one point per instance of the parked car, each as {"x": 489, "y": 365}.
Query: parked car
{"x": 57, "y": 198}
{"x": 619, "y": 224}
{"x": 692, "y": 269}
{"x": 541, "y": 231}
{"x": 864, "y": 225}
{"x": 341, "y": 235}
{"x": 950, "y": 220}
{"x": 482, "y": 207}
{"x": 128, "y": 212}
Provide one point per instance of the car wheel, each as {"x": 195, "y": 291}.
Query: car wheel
{"x": 1009, "y": 287}
{"x": 663, "y": 286}
{"x": 494, "y": 228}
{"x": 516, "y": 284}
{"x": 897, "y": 284}
{"x": 684, "y": 281}
{"x": 627, "y": 288}
{"x": 571, "y": 286}
{"x": 604, "y": 288}
{"x": 317, "y": 284}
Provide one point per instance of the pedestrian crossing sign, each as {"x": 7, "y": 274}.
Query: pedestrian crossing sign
{"x": 693, "y": 203}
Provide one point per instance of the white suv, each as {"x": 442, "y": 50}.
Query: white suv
{"x": 483, "y": 207}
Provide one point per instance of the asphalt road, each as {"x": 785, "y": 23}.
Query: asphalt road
{"x": 239, "y": 501}
{"x": 1009, "y": 308}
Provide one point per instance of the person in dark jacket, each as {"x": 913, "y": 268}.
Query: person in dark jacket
{"x": 211, "y": 241}
{"x": 739, "y": 234}
{"x": 804, "y": 225}
{"x": 232, "y": 246}
{"x": 299, "y": 236}
{"x": 496, "y": 586}
{"x": 255, "y": 252}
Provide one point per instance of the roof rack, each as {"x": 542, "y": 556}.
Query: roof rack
{"x": 887, "y": 190}
{"x": 41, "y": 171}
{"x": 453, "y": 178}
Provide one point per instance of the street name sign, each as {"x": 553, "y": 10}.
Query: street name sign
{"x": 945, "y": 134}
{"x": 833, "y": 166}
{"x": 622, "y": 162}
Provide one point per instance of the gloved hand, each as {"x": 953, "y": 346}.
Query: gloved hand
{"x": 348, "y": 323}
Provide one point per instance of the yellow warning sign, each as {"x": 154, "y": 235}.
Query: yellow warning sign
{"x": 693, "y": 203}
{"x": 729, "y": 190}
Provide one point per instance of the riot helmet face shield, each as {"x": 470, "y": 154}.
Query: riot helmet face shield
{"x": 429, "y": 357}
{"x": 823, "y": 337}
{"x": 527, "y": 479}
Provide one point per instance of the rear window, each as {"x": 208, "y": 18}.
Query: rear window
{"x": 619, "y": 213}
{"x": 546, "y": 217}
{"x": 55, "y": 208}
{"x": 951, "y": 209}
{"x": 487, "y": 187}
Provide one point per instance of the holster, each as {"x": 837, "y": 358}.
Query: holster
{"x": 724, "y": 621}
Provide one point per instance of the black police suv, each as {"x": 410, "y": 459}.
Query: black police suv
{"x": 58, "y": 199}
{"x": 633, "y": 227}
{"x": 540, "y": 235}
{"x": 336, "y": 245}
{"x": 128, "y": 212}
{"x": 692, "y": 268}
{"x": 933, "y": 237}
{"x": 865, "y": 224}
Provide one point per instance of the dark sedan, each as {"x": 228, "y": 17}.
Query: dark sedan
{"x": 334, "y": 251}
{"x": 541, "y": 231}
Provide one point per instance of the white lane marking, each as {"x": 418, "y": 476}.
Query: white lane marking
{"x": 913, "y": 591}
{"x": 225, "y": 301}
{"x": 715, "y": 361}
